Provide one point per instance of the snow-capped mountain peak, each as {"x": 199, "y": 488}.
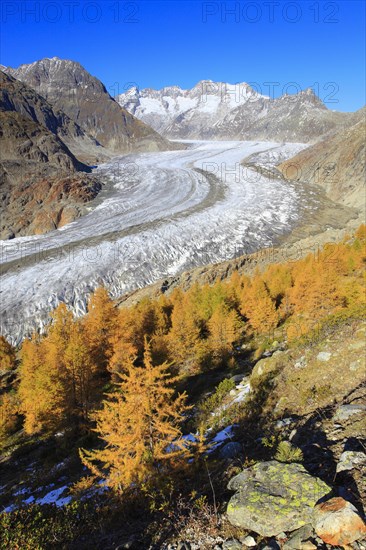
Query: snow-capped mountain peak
{"x": 220, "y": 110}
{"x": 209, "y": 101}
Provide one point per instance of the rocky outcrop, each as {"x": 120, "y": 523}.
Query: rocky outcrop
{"x": 273, "y": 497}
{"x": 70, "y": 88}
{"x": 46, "y": 204}
{"x": 337, "y": 522}
{"x": 336, "y": 163}
{"x": 265, "y": 367}
{"x": 300, "y": 539}
{"x": 43, "y": 184}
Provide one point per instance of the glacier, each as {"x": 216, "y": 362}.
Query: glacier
{"x": 159, "y": 214}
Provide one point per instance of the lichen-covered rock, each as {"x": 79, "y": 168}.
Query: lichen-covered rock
{"x": 308, "y": 545}
{"x": 267, "y": 365}
{"x": 272, "y": 497}
{"x": 337, "y": 522}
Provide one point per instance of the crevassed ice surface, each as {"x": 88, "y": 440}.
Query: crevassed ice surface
{"x": 158, "y": 215}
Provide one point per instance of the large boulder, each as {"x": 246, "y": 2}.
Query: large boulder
{"x": 273, "y": 497}
{"x": 337, "y": 522}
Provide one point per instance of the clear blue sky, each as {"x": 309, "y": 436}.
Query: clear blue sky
{"x": 158, "y": 43}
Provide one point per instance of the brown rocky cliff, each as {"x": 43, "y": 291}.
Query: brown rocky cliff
{"x": 41, "y": 187}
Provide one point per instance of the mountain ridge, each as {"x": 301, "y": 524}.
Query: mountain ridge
{"x": 19, "y": 97}
{"x": 69, "y": 87}
{"x": 218, "y": 110}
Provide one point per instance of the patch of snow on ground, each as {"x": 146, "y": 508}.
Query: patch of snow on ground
{"x": 224, "y": 434}
{"x": 9, "y": 509}
{"x": 22, "y": 491}
{"x": 54, "y": 497}
{"x": 243, "y": 391}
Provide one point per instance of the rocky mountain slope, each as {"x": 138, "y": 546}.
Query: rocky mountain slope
{"x": 216, "y": 110}
{"x": 21, "y": 98}
{"x": 337, "y": 163}
{"x": 71, "y": 89}
{"x": 43, "y": 181}
{"x": 301, "y": 399}
{"x": 42, "y": 184}
{"x": 302, "y": 117}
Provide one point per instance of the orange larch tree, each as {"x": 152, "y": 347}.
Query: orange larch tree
{"x": 124, "y": 342}
{"x": 185, "y": 333}
{"x": 100, "y": 324}
{"x": 42, "y": 389}
{"x": 258, "y": 307}
{"x": 140, "y": 425}
{"x": 82, "y": 384}
{"x": 7, "y": 355}
{"x": 224, "y": 328}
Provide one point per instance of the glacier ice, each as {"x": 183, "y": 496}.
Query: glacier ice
{"x": 159, "y": 214}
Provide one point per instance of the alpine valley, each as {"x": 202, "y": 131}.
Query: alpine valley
{"x": 182, "y": 305}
